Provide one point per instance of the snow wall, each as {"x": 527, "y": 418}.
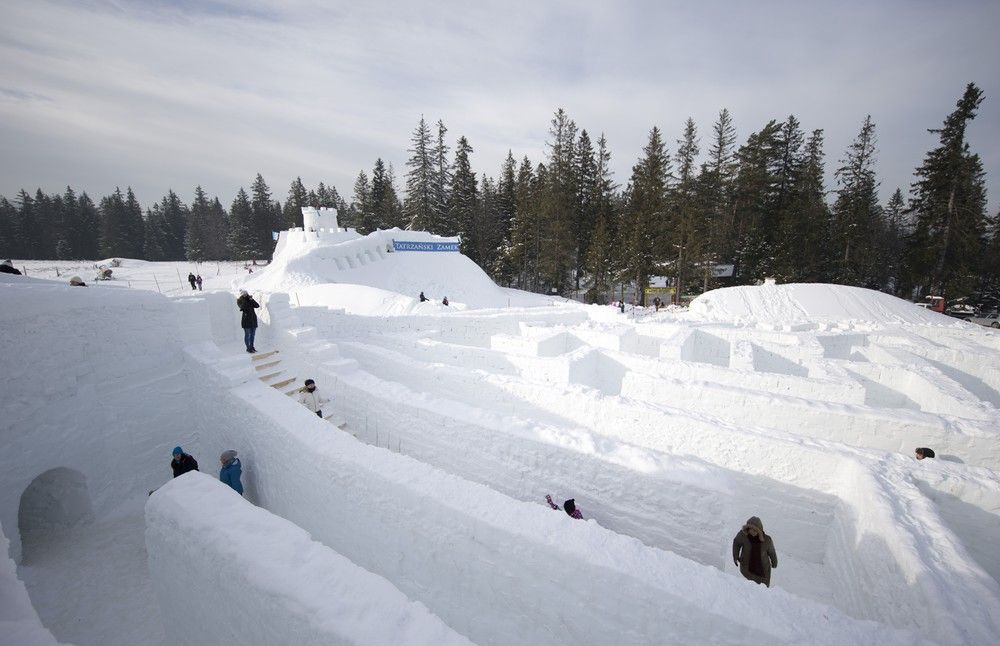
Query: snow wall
{"x": 95, "y": 397}
{"x": 496, "y": 570}
{"x": 226, "y": 571}
{"x": 19, "y": 623}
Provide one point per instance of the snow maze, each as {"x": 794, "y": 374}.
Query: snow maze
{"x": 425, "y": 510}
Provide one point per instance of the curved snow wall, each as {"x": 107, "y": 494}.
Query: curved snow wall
{"x": 226, "y": 571}
{"x": 93, "y": 382}
{"x": 496, "y": 570}
{"x": 19, "y": 623}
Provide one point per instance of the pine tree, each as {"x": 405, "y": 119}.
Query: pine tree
{"x": 686, "y": 227}
{"x": 560, "y": 205}
{"x": 948, "y": 202}
{"x": 599, "y": 263}
{"x": 506, "y": 207}
{"x": 488, "y": 238}
{"x": 218, "y": 227}
{"x": 522, "y": 255}
{"x": 805, "y": 228}
{"x": 196, "y": 242}
{"x": 753, "y": 223}
{"x": 894, "y": 247}
{"x": 10, "y": 242}
{"x": 441, "y": 184}
{"x": 27, "y": 226}
{"x": 419, "y": 202}
{"x": 134, "y": 224}
{"x": 464, "y": 201}
{"x": 88, "y": 244}
{"x": 113, "y": 235}
{"x": 857, "y": 214}
{"x": 265, "y": 218}
{"x": 157, "y": 235}
{"x": 390, "y": 209}
{"x": 242, "y": 235}
{"x": 69, "y": 225}
{"x": 361, "y": 208}
{"x": 297, "y": 198}
{"x": 647, "y": 212}
{"x": 586, "y": 202}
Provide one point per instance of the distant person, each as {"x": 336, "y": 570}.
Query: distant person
{"x": 76, "y": 281}
{"x": 310, "y": 398}
{"x": 753, "y": 552}
{"x": 924, "y": 452}
{"x": 445, "y": 301}
{"x": 182, "y": 462}
{"x": 621, "y": 305}
{"x": 656, "y": 303}
{"x": 231, "y": 470}
{"x": 422, "y": 297}
{"x": 197, "y": 279}
{"x": 569, "y": 507}
{"x": 247, "y": 305}
{"x": 191, "y": 280}
{"x": 7, "y": 267}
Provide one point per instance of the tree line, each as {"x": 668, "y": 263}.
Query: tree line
{"x": 563, "y": 223}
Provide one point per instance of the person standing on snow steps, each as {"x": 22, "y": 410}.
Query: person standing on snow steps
{"x": 231, "y": 470}
{"x": 310, "y": 398}
{"x": 182, "y": 462}
{"x": 191, "y": 280}
{"x": 247, "y": 305}
{"x": 753, "y": 552}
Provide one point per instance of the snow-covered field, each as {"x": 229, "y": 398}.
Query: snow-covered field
{"x": 423, "y": 493}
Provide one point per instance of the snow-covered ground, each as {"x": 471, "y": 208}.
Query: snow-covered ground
{"x": 800, "y": 404}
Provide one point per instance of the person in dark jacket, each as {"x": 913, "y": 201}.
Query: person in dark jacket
{"x": 191, "y": 280}
{"x": 197, "y": 280}
{"x": 422, "y": 297}
{"x": 753, "y": 552}
{"x": 182, "y": 462}
{"x": 247, "y": 305}
{"x": 7, "y": 267}
{"x": 569, "y": 507}
{"x": 923, "y": 452}
{"x": 445, "y": 301}
{"x": 231, "y": 470}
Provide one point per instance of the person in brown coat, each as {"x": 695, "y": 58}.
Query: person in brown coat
{"x": 753, "y": 552}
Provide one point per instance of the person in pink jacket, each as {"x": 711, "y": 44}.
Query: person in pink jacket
{"x": 569, "y": 507}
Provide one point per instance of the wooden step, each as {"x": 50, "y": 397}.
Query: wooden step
{"x": 270, "y": 376}
{"x": 262, "y": 355}
{"x": 265, "y": 366}
{"x": 294, "y": 392}
{"x": 282, "y": 384}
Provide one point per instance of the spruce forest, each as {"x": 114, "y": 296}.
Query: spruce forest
{"x": 565, "y": 225}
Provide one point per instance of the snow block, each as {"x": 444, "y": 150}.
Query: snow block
{"x": 226, "y": 571}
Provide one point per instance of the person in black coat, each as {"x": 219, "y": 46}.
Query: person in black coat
{"x": 7, "y": 267}
{"x": 422, "y": 297}
{"x": 923, "y": 452}
{"x": 182, "y": 462}
{"x": 247, "y": 305}
{"x": 191, "y": 280}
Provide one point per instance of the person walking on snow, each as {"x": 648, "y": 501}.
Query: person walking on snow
{"x": 569, "y": 507}
{"x": 309, "y": 397}
{"x": 191, "y": 280}
{"x": 197, "y": 279}
{"x": 231, "y": 470}
{"x": 422, "y": 297}
{"x": 753, "y": 552}
{"x": 247, "y": 305}
{"x": 182, "y": 462}
{"x": 7, "y": 267}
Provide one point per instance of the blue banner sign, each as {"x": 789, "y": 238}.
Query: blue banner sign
{"x": 402, "y": 245}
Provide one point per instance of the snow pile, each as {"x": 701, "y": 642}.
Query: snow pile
{"x": 811, "y": 303}
{"x": 302, "y": 261}
{"x": 227, "y": 571}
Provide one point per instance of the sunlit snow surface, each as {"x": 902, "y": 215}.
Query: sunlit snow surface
{"x": 800, "y": 404}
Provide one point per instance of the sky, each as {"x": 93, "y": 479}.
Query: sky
{"x": 169, "y": 95}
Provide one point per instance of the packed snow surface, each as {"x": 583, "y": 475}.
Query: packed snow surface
{"x": 811, "y": 303}
{"x": 424, "y": 483}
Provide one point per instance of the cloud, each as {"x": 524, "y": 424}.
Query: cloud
{"x": 170, "y": 95}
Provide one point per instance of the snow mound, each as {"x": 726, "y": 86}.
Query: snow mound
{"x": 811, "y": 303}
{"x": 303, "y": 259}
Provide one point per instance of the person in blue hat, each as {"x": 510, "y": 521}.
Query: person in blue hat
{"x": 182, "y": 462}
